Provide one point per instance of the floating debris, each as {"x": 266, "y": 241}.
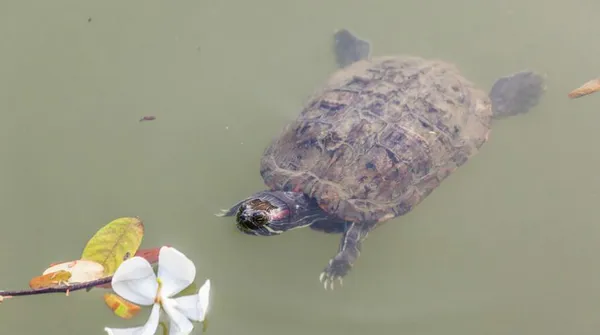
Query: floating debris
{"x": 89, "y": 19}
{"x": 585, "y": 89}
{"x": 148, "y": 118}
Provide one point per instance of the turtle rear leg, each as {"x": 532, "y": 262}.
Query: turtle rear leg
{"x": 516, "y": 94}
{"x": 349, "y": 49}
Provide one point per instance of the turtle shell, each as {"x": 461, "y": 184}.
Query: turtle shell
{"x": 379, "y": 137}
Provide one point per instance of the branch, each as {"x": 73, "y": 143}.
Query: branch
{"x": 58, "y": 289}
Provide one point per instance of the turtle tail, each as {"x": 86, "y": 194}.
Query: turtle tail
{"x": 349, "y": 48}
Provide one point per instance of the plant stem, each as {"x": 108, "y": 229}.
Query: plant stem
{"x": 58, "y": 289}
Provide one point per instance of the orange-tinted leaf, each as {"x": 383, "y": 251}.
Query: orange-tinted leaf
{"x": 151, "y": 254}
{"x": 51, "y": 279}
{"x": 120, "y": 306}
{"x": 81, "y": 271}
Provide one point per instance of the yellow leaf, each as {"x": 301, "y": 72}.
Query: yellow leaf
{"x": 120, "y": 306}
{"x": 80, "y": 271}
{"x": 51, "y": 279}
{"x": 114, "y": 242}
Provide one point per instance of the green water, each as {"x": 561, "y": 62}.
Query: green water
{"x": 508, "y": 245}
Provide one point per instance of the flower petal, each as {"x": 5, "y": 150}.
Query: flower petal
{"x": 179, "y": 325}
{"x": 195, "y": 306}
{"x": 148, "y": 329}
{"x": 135, "y": 281}
{"x": 175, "y": 271}
{"x": 204, "y": 295}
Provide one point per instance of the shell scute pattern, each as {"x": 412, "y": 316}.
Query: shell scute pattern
{"x": 379, "y": 137}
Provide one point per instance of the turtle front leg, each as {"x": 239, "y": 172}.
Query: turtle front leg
{"x": 350, "y": 247}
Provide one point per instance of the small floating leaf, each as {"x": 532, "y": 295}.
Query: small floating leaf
{"x": 585, "y": 89}
{"x": 113, "y": 242}
{"x": 120, "y": 306}
{"x": 51, "y": 279}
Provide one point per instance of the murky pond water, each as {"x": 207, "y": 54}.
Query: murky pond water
{"x": 508, "y": 244}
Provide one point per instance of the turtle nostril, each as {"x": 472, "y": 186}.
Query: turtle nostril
{"x": 246, "y": 221}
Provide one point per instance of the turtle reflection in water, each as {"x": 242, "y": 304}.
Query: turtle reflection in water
{"x": 372, "y": 143}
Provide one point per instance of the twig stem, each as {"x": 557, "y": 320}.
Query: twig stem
{"x": 58, "y": 289}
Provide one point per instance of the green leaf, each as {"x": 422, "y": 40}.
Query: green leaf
{"x": 113, "y": 243}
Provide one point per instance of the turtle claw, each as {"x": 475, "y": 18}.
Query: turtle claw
{"x": 223, "y": 213}
{"x": 336, "y": 270}
{"x": 229, "y": 211}
{"x": 329, "y": 282}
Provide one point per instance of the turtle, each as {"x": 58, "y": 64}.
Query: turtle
{"x": 372, "y": 143}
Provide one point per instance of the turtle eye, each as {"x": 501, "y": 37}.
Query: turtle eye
{"x": 250, "y": 219}
{"x": 260, "y": 219}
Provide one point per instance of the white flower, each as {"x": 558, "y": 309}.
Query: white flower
{"x": 135, "y": 281}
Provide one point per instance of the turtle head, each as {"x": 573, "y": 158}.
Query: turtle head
{"x": 269, "y": 213}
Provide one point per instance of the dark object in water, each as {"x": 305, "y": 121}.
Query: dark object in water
{"x": 349, "y": 49}
{"x": 148, "y": 118}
